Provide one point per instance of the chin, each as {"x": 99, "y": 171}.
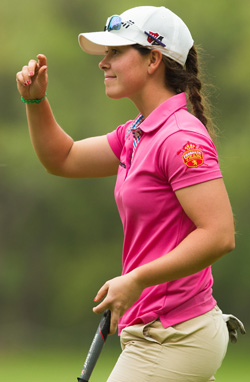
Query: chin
{"x": 114, "y": 95}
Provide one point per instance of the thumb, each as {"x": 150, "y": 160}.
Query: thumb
{"x": 42, "y": 60}
{"x": 42, "y": 81}
{"x": 42, "y": 74}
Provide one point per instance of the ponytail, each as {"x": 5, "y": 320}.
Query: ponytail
{"x": 186, "y": 79}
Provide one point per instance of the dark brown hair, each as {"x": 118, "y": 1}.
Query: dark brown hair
{"x": 187, "y": 79}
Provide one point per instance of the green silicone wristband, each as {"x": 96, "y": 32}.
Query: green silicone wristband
{"x": 33, "y": 100}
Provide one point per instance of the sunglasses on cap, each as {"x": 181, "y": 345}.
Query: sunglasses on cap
{"x": 114, "y": 23}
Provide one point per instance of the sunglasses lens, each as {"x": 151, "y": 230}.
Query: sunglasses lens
{"x": 115, "y": 23}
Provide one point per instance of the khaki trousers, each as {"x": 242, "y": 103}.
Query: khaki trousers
{"x": 190, "y": 351}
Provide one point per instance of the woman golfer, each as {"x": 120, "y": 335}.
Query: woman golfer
{"x": 173, "y": 204}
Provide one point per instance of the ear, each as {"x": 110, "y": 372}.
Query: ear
{"x": 155, "y": 59}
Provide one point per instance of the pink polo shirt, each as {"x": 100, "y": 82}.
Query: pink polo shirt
{"x": 174, "y": 152}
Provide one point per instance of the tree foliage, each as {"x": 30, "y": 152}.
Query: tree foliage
{"x": 60, "y": 239}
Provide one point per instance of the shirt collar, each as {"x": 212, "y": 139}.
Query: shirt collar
{"x": 139, "y": 119}
{"x": 163, "y": 112}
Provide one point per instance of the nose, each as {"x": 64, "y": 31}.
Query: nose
{"x": 104, "y": 64}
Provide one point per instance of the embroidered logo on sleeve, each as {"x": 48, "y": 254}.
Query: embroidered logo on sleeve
{"x": 192, "y": 155}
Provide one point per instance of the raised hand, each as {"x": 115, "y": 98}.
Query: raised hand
{"x": 32, "y": 80}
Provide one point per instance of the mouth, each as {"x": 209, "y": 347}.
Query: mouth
{"x": 109, "y": 78}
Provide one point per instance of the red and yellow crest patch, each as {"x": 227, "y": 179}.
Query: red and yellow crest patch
{"x": 192, "y": 155}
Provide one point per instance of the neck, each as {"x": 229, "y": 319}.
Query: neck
{"x": 149, "y": 101}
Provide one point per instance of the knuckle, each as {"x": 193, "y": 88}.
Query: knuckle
{"x": 32, "y": 63}
{"x": 118, "y": 306}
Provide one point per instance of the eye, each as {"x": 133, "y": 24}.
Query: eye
{"x": 114, "y": 50}
{"x": 111, "y": 51}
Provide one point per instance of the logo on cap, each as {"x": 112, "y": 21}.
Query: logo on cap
{"x": 127, "y": 24}
{"x": 155, "y": 39}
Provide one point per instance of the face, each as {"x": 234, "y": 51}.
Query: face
{"x": 125, "y": 72}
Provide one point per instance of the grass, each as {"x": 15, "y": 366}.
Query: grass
{"x": 51, "y": 366}
{"x": 62, "y": 366}
{"x": 236, "y": 365}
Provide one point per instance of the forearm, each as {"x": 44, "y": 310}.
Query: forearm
{"x": 196, "y": 252}
{"x": 50, "y": 142}
{"x": 208, "y": 207}
{"x": 87, "y": 158}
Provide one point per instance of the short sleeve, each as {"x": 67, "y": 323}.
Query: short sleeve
{"x": 187, "y": 158}
{"x": 116, "y": 138}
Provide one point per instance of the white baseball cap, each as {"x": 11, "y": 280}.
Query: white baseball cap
{"x": 149, "y": 26}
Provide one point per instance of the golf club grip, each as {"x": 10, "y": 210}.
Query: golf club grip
{"x": 96, "y": 347}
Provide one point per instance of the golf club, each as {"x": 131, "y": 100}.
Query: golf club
{"x": 96, "y": 347}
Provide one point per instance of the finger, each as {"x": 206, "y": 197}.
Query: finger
{"x": 32, "y": 67}
{"x": 42, "y": 73}
{"x": 242, "y": 329}
{"x": 114, "y": 322}
{"x": 42, "y": 60}
{"x": 24, "y": 76}
{"x": 102, "y": 292}
{"x": 19, "y": 77}
{"x": 115, "y": 315}
{"x": 22, "y": 87}
{"x": 101, "y": 307}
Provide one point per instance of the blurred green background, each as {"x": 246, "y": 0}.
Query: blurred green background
{"x": 60, "y": 239}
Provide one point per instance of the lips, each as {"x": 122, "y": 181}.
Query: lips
{"x": 108, "y": 77}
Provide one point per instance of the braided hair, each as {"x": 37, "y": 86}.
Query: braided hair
{"x": 186, "y": 79}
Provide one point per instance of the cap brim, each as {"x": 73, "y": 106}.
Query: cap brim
{"x": 95, "y": 43}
